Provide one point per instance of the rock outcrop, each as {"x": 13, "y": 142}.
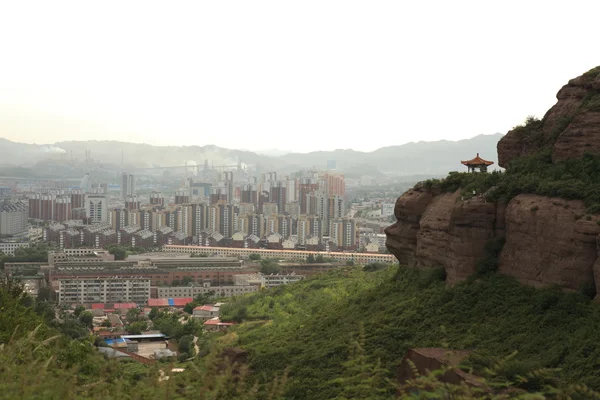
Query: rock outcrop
{"x": 571, "y": 127}
{"x": 547, "y": 241}
{"x": 442, "y": 230}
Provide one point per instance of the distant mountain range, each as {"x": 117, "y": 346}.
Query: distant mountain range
{"x": 425, "y": 158}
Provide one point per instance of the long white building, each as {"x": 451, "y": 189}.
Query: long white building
{"x": 297, "y": 255}
{"x": 118, "y": 289}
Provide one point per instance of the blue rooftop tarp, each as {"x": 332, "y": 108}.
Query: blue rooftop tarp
{"x": 110, "y": 342}
{"x": 171, "y": 302}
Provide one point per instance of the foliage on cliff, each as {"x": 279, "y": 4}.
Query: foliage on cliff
{"x": 574, "y": 179}
{"x": 311, "y": 328}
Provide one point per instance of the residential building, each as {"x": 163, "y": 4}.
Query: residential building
{"x": 9, "y": 247}
{"x": 157, "y": 199}
{"x": 116, "y": 289}
{"x": 96, "y": 208}
{"x": 297, "y": 255}
{"x": 63, "y": 209}
{"x": 13, "y": 218}
{"x": 127, "y": 185}
{"x": 206, "y": 311}
{"x": 267, "y": 281}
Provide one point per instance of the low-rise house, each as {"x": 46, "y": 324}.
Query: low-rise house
{"x": 206, "y": 311}
{"x": 215, "y": 324}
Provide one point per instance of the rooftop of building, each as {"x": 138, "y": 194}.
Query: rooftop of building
{"x": 477, "y": 161}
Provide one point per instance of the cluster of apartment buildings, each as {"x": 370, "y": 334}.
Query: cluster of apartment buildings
{"x": 306, "y": 213}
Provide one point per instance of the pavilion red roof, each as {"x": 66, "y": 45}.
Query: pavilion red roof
{"x": 477, "y": 161}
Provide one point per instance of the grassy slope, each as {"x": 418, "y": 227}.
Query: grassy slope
{"x": 315, "y": 321}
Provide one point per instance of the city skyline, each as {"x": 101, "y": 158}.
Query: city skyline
{"x": 334, "y": 75}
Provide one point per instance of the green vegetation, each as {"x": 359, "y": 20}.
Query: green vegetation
{"x": 341, "y": 335}
{"x": 121, "y": 252}
{"x": 311, "y": 328}
{"x": 269, "y": 266}
{"x": 254, "y": 257}
{"x": 575, "y": 179}
{"x": 37, "y": 253}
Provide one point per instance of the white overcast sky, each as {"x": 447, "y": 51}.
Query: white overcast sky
{"x": 303, "y": 75}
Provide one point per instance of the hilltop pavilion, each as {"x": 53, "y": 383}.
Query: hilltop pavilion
{"x": 477, "y": 163}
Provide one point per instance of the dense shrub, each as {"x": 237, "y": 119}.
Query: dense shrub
{"x": 310, "y": 327}
{"x": 575, "y": 179}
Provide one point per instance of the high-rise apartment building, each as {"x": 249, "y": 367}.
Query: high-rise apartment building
{"x": 249, "y": 194}
{"x": 198, "y": 217}
{"x": 218, "y": 194}
{"x": 157, "y": 199}
{"x": 63, "y": 210}
{"x": 343, "y": 233}
{"x": 132, "y": 203}
{"x": 306, "y": 187}
{"x": 182, "y": 197}
{"x": 77, "y": 198}
{"x": 270, "y": 209}
{"x": 13, "y": 218}
{"x": 278, "y": 194}
{"x": 127, "y": 185}
{"x": 334, "y": 184}
{"x": 96, "y": 208}
{"x": 226, "y": 219}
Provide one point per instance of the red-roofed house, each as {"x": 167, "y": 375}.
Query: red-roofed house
{"x": 215, "y": 324}
{"x": 206, "y": 311}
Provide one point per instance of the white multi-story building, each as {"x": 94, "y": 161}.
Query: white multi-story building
{"x": 9, "y": 248}
{"x": 96, "y": 207}
{"x": 387, "y": 209}
{"x": 117, "y": 289}
{"x": 195, "y": 290}
{"x": 13, "y": 218}
{"x": 266, "y": 281}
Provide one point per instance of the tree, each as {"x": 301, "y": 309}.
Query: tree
{"x": 78, "y": 310}
{"x": 254, "y": 257}
{"x": 320, "y": 259}
{"x": 268, "y": 267}
{"x": 189, "y": 307}
{"x": 86, "y": 318}
{"x": 310, "y": 259}
{"x": 118, "y": 251}
{"x": 153, "y": 313}
{"x": 133, "y": 315}
{"x": 186, "y": 280}
{"x": 137, "y": 327}
{"x": 45, "y": 294}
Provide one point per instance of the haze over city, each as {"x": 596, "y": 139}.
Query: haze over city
{"x": 322, "y": 75}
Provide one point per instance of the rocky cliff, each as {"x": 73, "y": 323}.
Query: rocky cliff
{"x": 571, "y": 127}
{"x": 547, "y": 240}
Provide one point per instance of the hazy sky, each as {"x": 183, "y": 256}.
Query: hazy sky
{"x": 303, "y": 75}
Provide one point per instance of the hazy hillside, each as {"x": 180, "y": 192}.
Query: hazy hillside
{"x": 433, "y": 158}
{"x": 427, "y": 158}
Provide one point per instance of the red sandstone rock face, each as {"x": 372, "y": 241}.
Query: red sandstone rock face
{"x": 402, "y": 236}
{"x": 569, "y": 127}
{"x": 549, "y": 241}
{"x": 441, "y": 231}
{"x": 580, "y": 137}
